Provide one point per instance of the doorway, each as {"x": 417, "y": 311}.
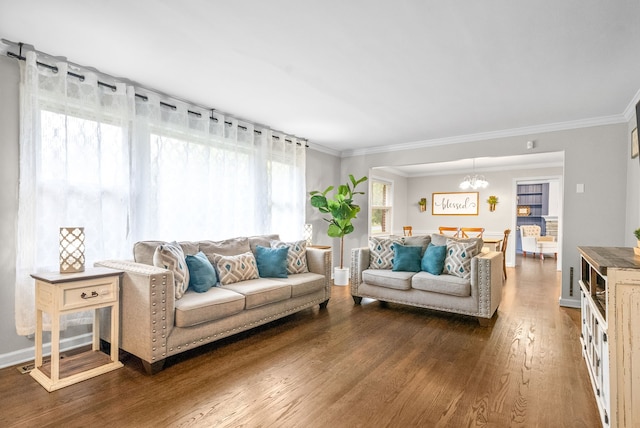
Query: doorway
{"x": 538, "y": 202}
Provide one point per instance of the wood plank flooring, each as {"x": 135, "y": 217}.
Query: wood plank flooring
{"x": 350, "y": 366}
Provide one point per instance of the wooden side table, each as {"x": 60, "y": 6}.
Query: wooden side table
{"x": 64, "y": 293}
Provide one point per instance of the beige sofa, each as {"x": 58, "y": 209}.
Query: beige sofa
{"x": 477, "y": 296}
{"x": 155, "y": 325}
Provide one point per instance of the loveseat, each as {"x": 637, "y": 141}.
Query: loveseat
{"x": 167, "y": 307}
{"x": 450, "y": 274}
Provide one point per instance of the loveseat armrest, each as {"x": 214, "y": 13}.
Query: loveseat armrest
{"x": 147, "y": 309}
{"x": 359, "y": 262}
{"x": 489, "y": 280}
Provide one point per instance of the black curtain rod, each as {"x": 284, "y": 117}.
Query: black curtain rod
{"x": 80, "y": 77}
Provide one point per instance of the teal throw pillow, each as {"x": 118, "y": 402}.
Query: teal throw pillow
{"x": 202, "y": 275}
{"x": 433, "y": 259}
{"x": 406, "y": 258}
{"x": 272, "y": 262}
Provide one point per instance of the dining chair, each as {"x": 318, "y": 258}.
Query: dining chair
{"x": 454, "y": 230}
{"x": 476, "y": 232}
{"x": 407, "y": 230}
{"x": 505, "y": 240}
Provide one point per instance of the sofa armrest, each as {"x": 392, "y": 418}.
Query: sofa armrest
{"x": 319, "y": 261}
{"x": 147, "y": 308}
{"x": 486, "y": 272}
{"x": 359, "y": 262}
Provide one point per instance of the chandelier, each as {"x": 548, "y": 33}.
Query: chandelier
{"x": 474, "y": 181}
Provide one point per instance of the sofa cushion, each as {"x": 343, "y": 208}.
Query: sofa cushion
{"x": 381, "y": 252}
{"x": 297, "y": 257}
{"x": 304, "y": 283}
{"x": 196, "y": 308}
{"x": 458, "y": 258}
{"x": 437, "y": 239}
{"x": 262, "y": 240}
{"x": 231, "y": 269}
{"x": 262, "y": 291}
{"x": 227, "y": 247}
{"x": 443, "y": 284}
{"x": 388, "y": 278}
{"x": 170, "y": 256}
{"x": 417, "y": 241}
{"x": 433, "y": 259}
{"x": 202, "y": 275}
{"x": 406, "y": 258}
{"x": 272, "y": 262}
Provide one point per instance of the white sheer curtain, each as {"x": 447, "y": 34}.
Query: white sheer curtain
{"x": 128, "y": 168}
{"x": 74, "y": 171}
{"x": 214, "y": 179}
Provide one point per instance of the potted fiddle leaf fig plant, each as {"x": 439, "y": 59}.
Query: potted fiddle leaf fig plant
{"x": 342, "y": 210}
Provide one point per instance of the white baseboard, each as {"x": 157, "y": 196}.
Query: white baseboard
{"x": 570, "y": 303}
{"x": 28, "y": 354}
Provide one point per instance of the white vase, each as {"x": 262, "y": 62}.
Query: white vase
{"x": 341, "y": 276}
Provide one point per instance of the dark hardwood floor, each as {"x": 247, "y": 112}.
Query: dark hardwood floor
{"x": 350, "y": 366}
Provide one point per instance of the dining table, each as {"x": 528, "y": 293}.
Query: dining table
{"x": 492, "y": 243}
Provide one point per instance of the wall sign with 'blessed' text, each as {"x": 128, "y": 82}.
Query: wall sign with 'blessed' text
{"x": 456, "y": 203}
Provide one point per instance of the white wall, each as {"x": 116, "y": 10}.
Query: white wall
{"x": 322, "y": 171}
{"x": 632, "y": 221}
{"x": 494, "y": 223}
{"x": 9, "y": 131}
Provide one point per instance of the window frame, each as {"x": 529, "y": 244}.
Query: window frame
{"x": 389, "y": 207}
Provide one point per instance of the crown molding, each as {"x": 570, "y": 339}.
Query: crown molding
{"x": 630, "y": 111}
{"x": 324, "y": 149}
{"x": 527, "y": 130}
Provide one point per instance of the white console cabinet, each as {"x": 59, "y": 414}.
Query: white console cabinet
{"x": 610, "y": 337}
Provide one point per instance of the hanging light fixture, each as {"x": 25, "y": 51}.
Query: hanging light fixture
{"x": 474, "y": 181}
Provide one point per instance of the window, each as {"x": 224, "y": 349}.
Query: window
{"x": 381, "y": 204}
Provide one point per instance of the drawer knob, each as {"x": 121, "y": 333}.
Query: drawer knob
{"x": 86, "y": 296}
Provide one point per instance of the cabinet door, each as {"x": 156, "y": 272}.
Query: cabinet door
{"x": 624, "y": 347}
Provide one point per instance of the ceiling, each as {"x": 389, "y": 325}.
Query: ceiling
{"x": 360, "y": 74}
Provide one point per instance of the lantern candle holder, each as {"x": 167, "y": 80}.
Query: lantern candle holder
{"x": 308, "y": 233}
{"x": 71, "y": 249}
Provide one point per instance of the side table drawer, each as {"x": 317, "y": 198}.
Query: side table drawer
{"x": 84, "y": 294}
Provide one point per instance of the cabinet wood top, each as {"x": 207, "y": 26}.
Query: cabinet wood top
{"x": 602, "y": 258}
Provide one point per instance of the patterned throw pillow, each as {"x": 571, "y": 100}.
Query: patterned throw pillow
{"x": 458, "y": 259}
{"x": 170, "y": 256}
{"x": 381, "y": 252}
{"x": 232, "y": 269}
{"x": 297, "y": 257}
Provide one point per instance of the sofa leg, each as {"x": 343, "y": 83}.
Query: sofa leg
{"x": 153, "y": 368}
{"x": 324, "y": 304}
{"x": 357, "y": 299}
{"x": 484, "y": 322}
